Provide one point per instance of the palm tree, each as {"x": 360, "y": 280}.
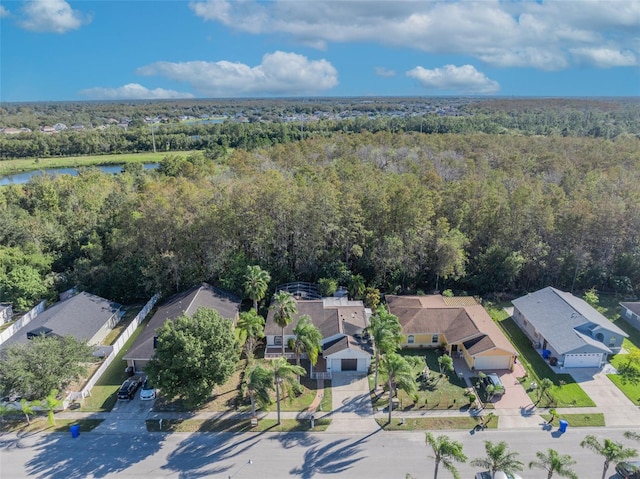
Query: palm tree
{"x": 308, "y": 340}
{"x": 27, "y": 409}
{"x": 256, "y": 281}
{"x": 552, "y": 462}
{"x": 446, "y": 451}
{"x": 50, "y": 403}
{"x": 610, "y": 450}
{"x": 284, "y": 308}
{"x": 249, "y": 332}
{"x": 385, "y": 330}
{"x": 284, "y": 375}
{"x": 543, "y": 387}
{"x": 499, "y": 458}
{"x": 632, "y": 435}
{"x": 259, "y": 382}
{"x": 399, "y": 374}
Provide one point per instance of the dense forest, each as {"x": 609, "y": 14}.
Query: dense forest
{"x": 404, "y": 206}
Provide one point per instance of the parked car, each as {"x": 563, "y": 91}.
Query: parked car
{"x": 499, "y": 475}
{"x": 629, "y": 470}
{"x": 494, "y": 380}
{"x": 129, "y": 388}
{"x": 147, "y": 392}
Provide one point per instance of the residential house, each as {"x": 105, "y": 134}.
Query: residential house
{"x": 85, "y": 316}
{"x": 567, "y": 328}
{"x": 459, "y": 324}
{"x": 186, "y": 302}
{"x": 341, "y": 323}
{"x": 631, "y": 313}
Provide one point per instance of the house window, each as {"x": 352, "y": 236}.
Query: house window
{"x": 435, "y": 338}
{"x": 277, "y": 340}
{"x": 612, "y": 341}
{"x": 411, "y": 339}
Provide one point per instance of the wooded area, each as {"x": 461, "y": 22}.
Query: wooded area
{"x": 400, "y": 211}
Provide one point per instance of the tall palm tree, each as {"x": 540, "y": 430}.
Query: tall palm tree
{"x": 256, "y": 282}
{"x": 259, "y": 383}
{"x": 610, "y": 450}
{"x": 543, "y": 387}
{"x": 499, "y": 458}
{"x": 552, "y": 462}
{"x": 308, "y": 340}
{"x": 284, "y": 308}
{"x": 400, "y": 375}
{"x": 445, "y": 451}
{"x": 249, "y": 332}
{"x": 284, "y": 376}
{"x": 385, "y": 330}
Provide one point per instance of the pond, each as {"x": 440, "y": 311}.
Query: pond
{"x": 21, "y": 178}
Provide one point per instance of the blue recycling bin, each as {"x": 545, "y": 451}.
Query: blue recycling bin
{"x": 563, "y": 425}
{"x": 75, "y": 430}
{"x": 546, "y": 353}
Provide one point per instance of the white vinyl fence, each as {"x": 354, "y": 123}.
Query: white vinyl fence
{"x": 24, "y": 320}
{"x": 117, "y": 346}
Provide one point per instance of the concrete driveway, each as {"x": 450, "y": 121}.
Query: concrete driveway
{"x": 352, "y": 409}
{"x": 514, "y": 397}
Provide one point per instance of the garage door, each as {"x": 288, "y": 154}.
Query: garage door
{"x": 349, "y": 365}
{"x": 492, "y": 362}
{"x": 586, "y": 360}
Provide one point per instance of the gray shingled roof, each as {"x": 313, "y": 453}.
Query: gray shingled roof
{"x": 634, "y": 307}
{"x": 80, "y": 316}
{"x": 560, "y": 317}
{"x": 187, "y": 302}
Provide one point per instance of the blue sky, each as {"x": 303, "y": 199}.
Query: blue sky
{"x": 57, "y": 50}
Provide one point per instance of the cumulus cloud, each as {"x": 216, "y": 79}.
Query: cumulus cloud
{"x": 54, "y": 16}
{"x": 542, "y": 35}
{"x": 450, "y": 78}
{"x": 605, "y": 57}
{"x": 279, "y": 73}
{"x": 3, "y": 12}
{"x": 132, "y": 91}
{"x": 384, "y": 72}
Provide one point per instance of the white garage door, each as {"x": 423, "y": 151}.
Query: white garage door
{"x": 491, "y": 362}
{"x": 585, "y": 360}
{"x": 336, "y": 365}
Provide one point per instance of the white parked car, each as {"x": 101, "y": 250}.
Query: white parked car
{"x": 147, "y": 392}
{"x": 499, "y": 475}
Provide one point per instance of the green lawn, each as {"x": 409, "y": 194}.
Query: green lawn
{"x": 565, "y": 392}
{"x": 237, "y": 426}
{"x": 631, "y": 390}
{"x": 446, "y": 392}
{"x": 578, "y": 420}
{"x": 17, "y": 423}
{"x": 9, "y": 167}
{"x": 433, "y": 423}
{"x": 103, "y": 394}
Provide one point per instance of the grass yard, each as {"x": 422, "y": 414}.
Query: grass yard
{"x": 10, "y": 167}
{"x": 434, "y": 423}
{"x": 565, "y": 392}
{"x": 237, "y": 426}
{"x": 578, "y": 420}
{"x": 631, "y": 390}
{"x": 17, "y": 423}
{"x": 448, "y": 392}
{"x": 103, "y": 395}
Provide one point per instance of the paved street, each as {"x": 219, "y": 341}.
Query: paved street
{"x": 273, "y": 455}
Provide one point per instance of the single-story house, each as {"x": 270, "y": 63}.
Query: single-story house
{"x": 85, "y": 316}
{"x": 341, "y": 322}
{"x": 631, "y": 313}
{"x": 187, "y": 302}
{"x": 567, "y": 327}
{"x": 460, "y": 324}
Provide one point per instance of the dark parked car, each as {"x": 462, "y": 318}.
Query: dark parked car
{"x": 629, "y": 470}
{"x": 129, "y": 388}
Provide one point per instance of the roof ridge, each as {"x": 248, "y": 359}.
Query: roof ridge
{"x": 197, "y": 292}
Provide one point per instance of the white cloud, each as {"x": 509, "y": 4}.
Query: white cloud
{"x": 384, "y": 72}
{"x": 3, "y": 12}
{"x": 132, "y": 91}
{"x": 279, "y": 73}
{"x": 54, "y": 16}
{"x": 464, "y": 79}
{"x": 605, "y": 57}
{"x": 542, "y": 35}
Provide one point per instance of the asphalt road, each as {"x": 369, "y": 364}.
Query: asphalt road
{"x": 273, "y": 455}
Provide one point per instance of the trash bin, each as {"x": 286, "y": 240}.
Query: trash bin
{"x": 563, "y": 425}
{"x": 75, "y": 430}
{"x": 546, "y": 353}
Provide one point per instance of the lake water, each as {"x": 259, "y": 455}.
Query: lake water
{"x": 22, "y": 178}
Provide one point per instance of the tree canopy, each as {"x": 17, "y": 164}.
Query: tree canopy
{"x": 193, "y": 355}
